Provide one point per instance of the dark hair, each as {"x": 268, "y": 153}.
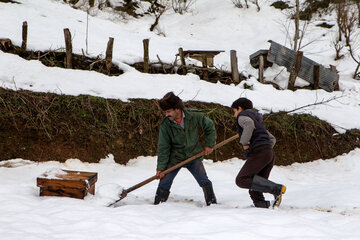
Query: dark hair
{"x": 171, "y": 101}
{"x": 244, "y": 103}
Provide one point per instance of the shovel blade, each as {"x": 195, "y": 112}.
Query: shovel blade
{"x": 121, "y": 196}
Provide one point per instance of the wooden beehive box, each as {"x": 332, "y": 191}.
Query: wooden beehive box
{"x": 65, "y": 183}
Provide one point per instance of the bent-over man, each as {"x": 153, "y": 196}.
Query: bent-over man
{"x": 179, "y": 140}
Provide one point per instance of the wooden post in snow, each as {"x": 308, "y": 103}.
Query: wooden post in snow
{"x": 109, "y": 53}
{"x": 261, "y": 68}
{"x": 316, "y": 76}
{"x": 204, "y": 64}
{"x": 146, "y": 55}
{"x": 295, "y": 70}
{"x": 234, "y": 66}
{"x": 24, "y": 35}
{"x": 68, "y": 45}
{"x": 182, "y": 60}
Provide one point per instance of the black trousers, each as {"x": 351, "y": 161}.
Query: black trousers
{"x": 259, "y": 162}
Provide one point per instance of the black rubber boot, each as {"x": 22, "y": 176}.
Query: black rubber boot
{"x": 161, "y": 196}
{"x": 261, "y": 184}
{"x": 262, "y": 204}
{"x": 209, "y": 194}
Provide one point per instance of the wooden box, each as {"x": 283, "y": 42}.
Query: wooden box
{"x": 65, "y": 183}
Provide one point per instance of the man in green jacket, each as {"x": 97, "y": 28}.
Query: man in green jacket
{"x": 179, "y": 140}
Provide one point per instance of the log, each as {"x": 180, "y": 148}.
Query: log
{"x": 109, "y": 53}
{"x": 68, "y": 45}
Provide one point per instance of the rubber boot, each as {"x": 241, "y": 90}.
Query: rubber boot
{"x": 161, "y": 196}
{"x": 209, "y": 194}
{"x": 261, "y": 184}
{"x": 262, "y": 204}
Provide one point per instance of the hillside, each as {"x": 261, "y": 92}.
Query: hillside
{"x": 194, "y": 29}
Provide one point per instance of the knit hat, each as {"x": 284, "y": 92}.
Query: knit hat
{"x": 244, "y": 103}
{"x": 170, "y": 101}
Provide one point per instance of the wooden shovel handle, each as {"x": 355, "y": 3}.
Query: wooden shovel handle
{"x": 179, "y": 165}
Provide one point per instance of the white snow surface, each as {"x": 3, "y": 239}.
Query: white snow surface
{"x": 321, "y": 201}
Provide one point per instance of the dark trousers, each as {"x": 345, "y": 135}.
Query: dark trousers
{"x": 259, "y": 162}
{"x": 196, "y": 168}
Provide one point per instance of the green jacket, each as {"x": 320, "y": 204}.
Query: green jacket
{"x": 176, "y": 144}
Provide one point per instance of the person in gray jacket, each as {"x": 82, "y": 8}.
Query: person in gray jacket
{"x": 258, "y": 146}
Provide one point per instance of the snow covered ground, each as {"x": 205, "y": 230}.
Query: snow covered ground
{"x": 322, "y": 197}
{"x": 321, "y": 203}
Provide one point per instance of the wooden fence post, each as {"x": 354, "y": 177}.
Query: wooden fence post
{"x": 109, "y": 53}
{"x": 146, "y": 55}
{"x": 204, "y": 64}
{"x": 24, "y": 35}
{"x": 182, "y": 60}
{"x": 295, "y": 70}
{"x": 316, "y": 76}
{"x": 234, "y": 66}
{"x": 261, "y": 68}
{"x": 68, "y": 45}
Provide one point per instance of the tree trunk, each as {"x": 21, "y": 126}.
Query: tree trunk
{"x": 296, "y": 36}
{"x": 295, "y": 70}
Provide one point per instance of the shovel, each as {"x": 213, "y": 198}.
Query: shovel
{"x": 126, "y": 191}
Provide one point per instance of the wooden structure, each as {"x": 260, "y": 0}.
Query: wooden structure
{"x": 325, "y": 78}
{"x": 65, "y": 183}
{"x": 204, "y": 56}
{"x": 259, "y": 60}
{"x": 255, "y": 58}
{"x": 297, "y": 65}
